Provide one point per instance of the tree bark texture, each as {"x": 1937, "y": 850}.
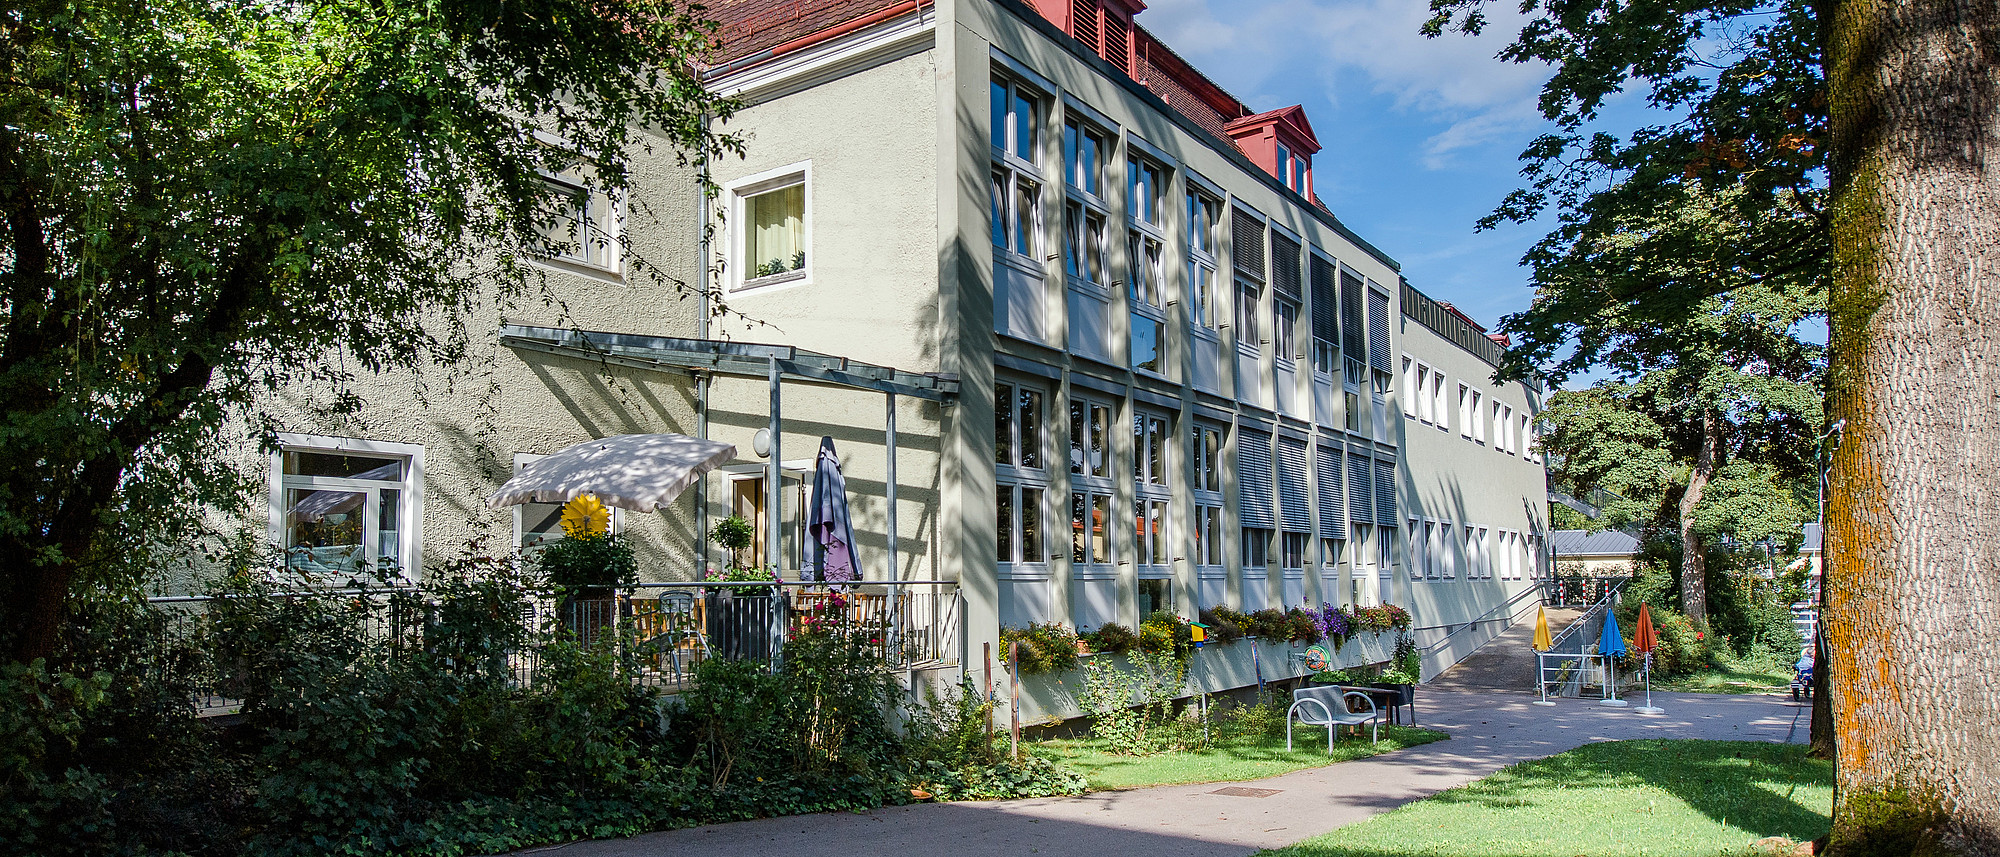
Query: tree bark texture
{"x": 1694, "y": 558}
{"x": 1912, "y": 546}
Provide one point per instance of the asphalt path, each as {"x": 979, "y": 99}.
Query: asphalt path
{"x": 1489, "y": 731}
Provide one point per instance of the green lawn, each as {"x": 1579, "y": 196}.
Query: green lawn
{"x": 1749, "y": 675}
{"x": 1246, "y": 758}
{"x": 1680, "y": 798}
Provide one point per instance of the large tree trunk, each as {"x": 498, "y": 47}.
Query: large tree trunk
{"x": 1694, "y": 556}
{"x": 1913, "y": 553}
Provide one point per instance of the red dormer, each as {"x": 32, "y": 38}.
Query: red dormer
{"x": 1281, "y": 142}
{"x": 1104, "y": 25}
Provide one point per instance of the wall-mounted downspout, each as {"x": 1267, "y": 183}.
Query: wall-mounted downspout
{"x": 701, "y": 380}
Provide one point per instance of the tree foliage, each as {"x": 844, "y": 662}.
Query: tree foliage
{"x": 205, "y": 201}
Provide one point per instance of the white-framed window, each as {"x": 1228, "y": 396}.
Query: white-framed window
{"x": 1207, "y": 452}
{"x": 580, "y": 224}
{"x": 1020, "y": 474}
{"x": 1152, "y": 441}
{"x": 1285, "y": 330}
{"x": 1256, "y": 549}
{"x": 1249, "y": 295}
{"x": 1361, "y": 542}
{"x": 1527, "y": 438}
{"x": 1292, "y": 550}
{"x": 1208, "y": 535}
{"x": 1439, "y": 408}
{"x": 1410, "y": 369}
{"x": 1146, "y": 285}
{"x": 1016, "y": 205}
{"x": 1084, "y": 149}
{"x": 770, "y": 236}
{"x": 1385, "y": 550}
{"x": 1090, "y": 528}
{"x": 1499, "y": 427}
{"x": 1380, "y": 402}
{"x": 1204, "y": 214}
{"x": 1503, "y": 430}
{"x": 1468, "y": 412}
{"x": 346, "y": 509}
{"x": 538, "y": 524}
{"x": 1089, "y": 437}
{"x": 1420, "y": 545}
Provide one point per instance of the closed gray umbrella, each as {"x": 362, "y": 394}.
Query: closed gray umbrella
{"x": 640, "y": 472}
{"x": 832, "y": 532}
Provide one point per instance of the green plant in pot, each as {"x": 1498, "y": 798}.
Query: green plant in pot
{"x": 734, "y": 534}
{"x": 589, "y": 561}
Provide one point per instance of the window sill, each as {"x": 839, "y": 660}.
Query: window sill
{"x": 1018, "y": 261}
{"x": 582, "y": 269}
{"x": 769, "y": 280}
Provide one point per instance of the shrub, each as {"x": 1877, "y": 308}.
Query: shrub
{"x": 1112, "y": 638}
{"x": 1132, "y": 709}
{"x": 1225, "y": 625}
{"x": 1045, "y": 647}
{"x": 1270, "y": 623}
{"x": 1164, "y": 633}
{"x": 587, "y": 562}
{"x": 954, "y": 754}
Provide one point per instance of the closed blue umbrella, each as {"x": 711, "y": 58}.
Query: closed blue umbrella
{"x": 1613, "y": 644}
{"x": 832, "y": 532}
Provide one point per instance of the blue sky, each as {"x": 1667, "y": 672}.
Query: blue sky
{"x": 1421, "y": 135}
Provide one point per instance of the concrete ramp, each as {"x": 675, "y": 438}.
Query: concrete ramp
{"x": 1507, "y": 662}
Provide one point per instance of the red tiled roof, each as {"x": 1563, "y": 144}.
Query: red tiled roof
{"x": 745, "y": 27}
{"x": 1185, "y": 88}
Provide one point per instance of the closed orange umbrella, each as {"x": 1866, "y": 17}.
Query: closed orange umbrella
{"x": 1644, "y": 639}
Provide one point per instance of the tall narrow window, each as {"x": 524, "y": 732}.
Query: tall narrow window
{"x": 1021, "y": 475}
{"x": 1016, "y": 185}
{"x": 1145, "y": 289}
{"x": 1202, "y": 212}
{"x": 1083, "y": 157}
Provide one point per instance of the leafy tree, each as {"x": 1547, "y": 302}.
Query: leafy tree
{"x": 1726, "y": 380}
{"x": 1895, "y": 101}
{"x": 203, "y": 201}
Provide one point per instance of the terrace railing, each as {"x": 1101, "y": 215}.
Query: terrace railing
{"x": 664, "y": 630}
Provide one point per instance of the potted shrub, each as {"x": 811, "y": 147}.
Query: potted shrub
{"x": 743, "y": 621}
{"x": 586, "y": 569}
{"x": 1405, "y": 671}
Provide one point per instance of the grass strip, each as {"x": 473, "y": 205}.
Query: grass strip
{"x": 1242, "y": 758}
{"x": 1671, "y": 798}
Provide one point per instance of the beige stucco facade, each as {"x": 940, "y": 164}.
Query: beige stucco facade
{"x": 888, "y": 130}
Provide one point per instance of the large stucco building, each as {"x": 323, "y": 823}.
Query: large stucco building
{"x": 1137, "y": 364}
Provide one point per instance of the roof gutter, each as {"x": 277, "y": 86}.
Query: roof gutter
{"x": 806, "y": 41}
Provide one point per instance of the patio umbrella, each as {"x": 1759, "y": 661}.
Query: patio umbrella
{"x": 1612, "y": 643}
{"x": 640, "y": 472}
{"x": 1645, "y": 640}
{"x": 832, "y": 532}
{"x": 1542, "y": 641}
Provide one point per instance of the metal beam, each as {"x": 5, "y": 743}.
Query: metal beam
{"x": 732, "y": 358}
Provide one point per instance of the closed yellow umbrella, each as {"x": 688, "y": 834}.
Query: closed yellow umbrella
{"x": 1542, "y": 641}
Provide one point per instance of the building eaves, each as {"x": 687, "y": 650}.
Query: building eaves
{"x": 746, "y": 27}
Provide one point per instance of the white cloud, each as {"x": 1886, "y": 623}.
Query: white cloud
{"x": 1253, "y": 47}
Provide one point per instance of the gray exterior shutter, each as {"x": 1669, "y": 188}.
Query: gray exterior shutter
{"x": 1325, "y": 305}
{"x": 1351, "y": 288}
{"x": 1332, "y": 509}
{"x": 1246, "y": 242}
{"x": 1285, "y": 276}
{"x": 1294, "y": 467}
{"x": 1253, "y": 479}
{"x": 1378, "y": 330}
{"x": 1385, "y": 494}
{"x": 1360, "y": 489}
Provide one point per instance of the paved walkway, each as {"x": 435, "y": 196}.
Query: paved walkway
{"x": 1507, "y": 662}
{"x": 1489, "y": 731}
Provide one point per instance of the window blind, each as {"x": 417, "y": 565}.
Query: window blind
{"x": 1325, "y": 306}
{"x": 1332, "y": 508}
{"x": 1378, "y": 330}
{"x": 1294, "y": 481}
{"x": 1246, "y": 243}
{"x": 1285, "y": 275}
{"x": 1385, "y": 493}
{"x": 1253, "y": 479}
